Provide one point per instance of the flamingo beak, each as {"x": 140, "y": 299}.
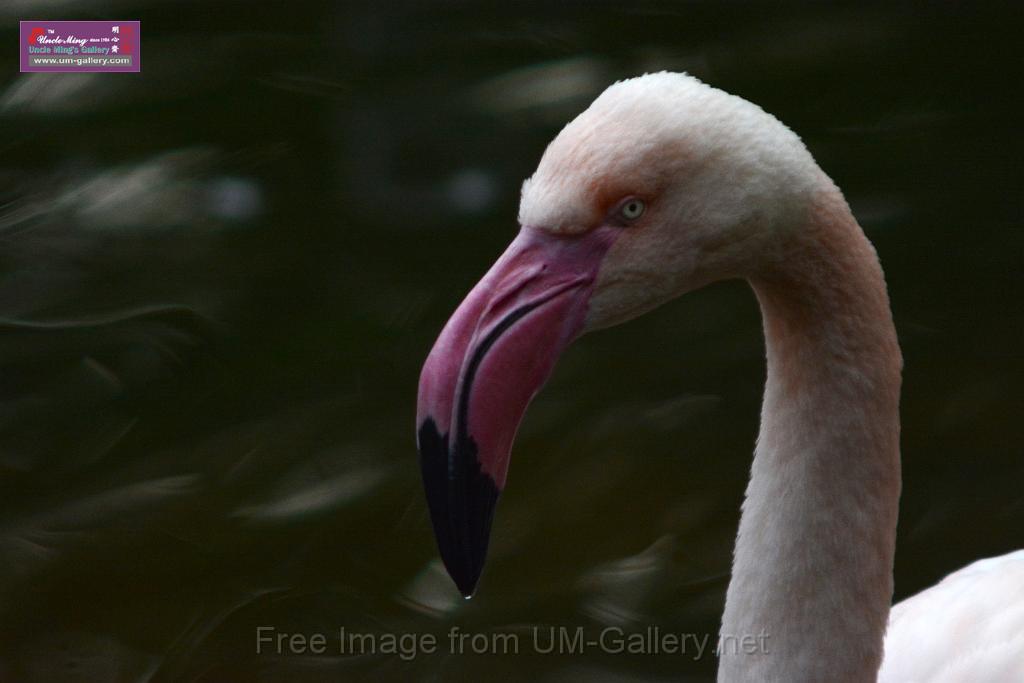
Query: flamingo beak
{"x": 492, "y": 357}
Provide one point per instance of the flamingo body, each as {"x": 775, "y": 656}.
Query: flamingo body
{"x": 968, "y": 627}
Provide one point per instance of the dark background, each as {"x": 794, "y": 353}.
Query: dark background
{"x": 219, "y": 278}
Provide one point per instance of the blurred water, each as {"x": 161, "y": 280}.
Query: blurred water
{"x": 218, "y": 280}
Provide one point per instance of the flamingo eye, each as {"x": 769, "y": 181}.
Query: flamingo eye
{"x": 632, "y": 209}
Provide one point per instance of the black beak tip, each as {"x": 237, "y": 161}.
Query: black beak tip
{"x": 461, "y": 499}
{"x": 466, "y": 583}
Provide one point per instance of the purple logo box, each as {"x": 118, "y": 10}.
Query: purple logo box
{"x": 77, "y": 46}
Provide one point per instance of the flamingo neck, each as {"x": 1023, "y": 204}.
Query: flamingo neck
{"x": 812, "y": 572}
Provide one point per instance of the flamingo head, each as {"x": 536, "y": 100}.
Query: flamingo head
{"x": 661, "y": 186}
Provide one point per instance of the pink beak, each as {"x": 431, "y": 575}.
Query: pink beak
{"x": 492, "y": 357}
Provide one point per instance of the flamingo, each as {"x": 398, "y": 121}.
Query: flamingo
{"x": 663, "y": 185}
